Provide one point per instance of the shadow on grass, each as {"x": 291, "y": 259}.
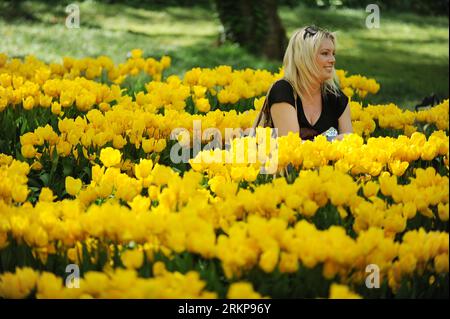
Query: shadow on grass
{"x": 403, "y": 82}
{"x": 421, "y": 21}
{"x": 211, "y": 56}
{"x": 406, "y": 75}
{"x": 352, "y": 20}
{"x": 11, "y": 10}
{"x": 438, "y": 40}
{"x": 398, "y": 50}
{"x": 328, "y": 19}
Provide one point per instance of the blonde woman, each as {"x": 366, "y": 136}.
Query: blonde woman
{"x": 307, "y": 100}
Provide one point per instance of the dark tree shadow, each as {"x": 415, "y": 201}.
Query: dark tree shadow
{"x": 11, "y": 10}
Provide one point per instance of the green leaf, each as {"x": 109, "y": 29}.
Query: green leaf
{"x": 45, "y": 178}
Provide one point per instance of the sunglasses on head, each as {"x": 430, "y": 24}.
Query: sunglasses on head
{"x": 310, "y": 31}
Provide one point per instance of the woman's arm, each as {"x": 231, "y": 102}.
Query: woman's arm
{"x": 345, "y": 123}
{"x": 284, "y": 118}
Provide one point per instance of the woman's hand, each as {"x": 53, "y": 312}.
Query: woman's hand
{"x": 341, "y": 136}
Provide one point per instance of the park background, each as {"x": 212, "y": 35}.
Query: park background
{"x": 408, "y": 55}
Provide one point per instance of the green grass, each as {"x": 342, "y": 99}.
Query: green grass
{"x": 408, "y": 55}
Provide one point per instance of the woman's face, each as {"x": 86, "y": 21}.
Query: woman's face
{"x": 325, "y": 59}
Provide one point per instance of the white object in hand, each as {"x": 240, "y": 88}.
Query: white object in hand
{"x": 331, "y": 133}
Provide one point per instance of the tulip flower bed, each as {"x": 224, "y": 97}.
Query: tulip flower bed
{"x": 87, "y": 180}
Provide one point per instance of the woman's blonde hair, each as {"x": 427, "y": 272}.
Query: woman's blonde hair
{"x": 299, "y": 63}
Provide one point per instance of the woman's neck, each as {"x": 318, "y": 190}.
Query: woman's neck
{"x": 314, "y": 90}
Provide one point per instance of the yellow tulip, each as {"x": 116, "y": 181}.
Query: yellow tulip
{"x": 160, "y": 145}
{"x": 56, "y": 108}
{"x": 19, "y": 193}
{"x": 342, "y": 292}
{"x": 132, "y": 259}
{"x": 110, "y": 157}
{"x": 28, "y": 151}
{"x": 73, "y": 185}
{"x": 242, "y": 290}
{"x": 202, "y": 105}
{"x": 28, "y": 103}
{"x": 46, "y": 195}
{"x": 148, "y": 145}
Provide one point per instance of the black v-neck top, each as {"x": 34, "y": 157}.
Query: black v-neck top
{"x": 332, "y": 109}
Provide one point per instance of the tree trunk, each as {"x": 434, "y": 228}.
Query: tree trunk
{"x": 254, "y": 25}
